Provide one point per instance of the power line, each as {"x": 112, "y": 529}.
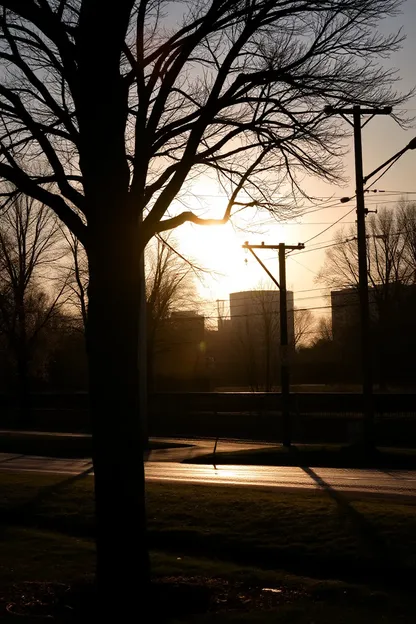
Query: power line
{"x": 273, "y": 312}
{"x": 302, "y": 265}
{"x": 383, "y": 173}
{"x": 330, "y": 226}
{"x": 372, "y": 198}
{"x": 319, "y": 248}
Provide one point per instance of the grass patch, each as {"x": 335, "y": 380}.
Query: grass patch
{"x": 304, "y": 533}
{"x": 331, "y": 456}
{"x": 214, "y": 549}
{"x": 35, "y": 555}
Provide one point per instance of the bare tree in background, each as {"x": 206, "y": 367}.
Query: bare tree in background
{"x": 170, "y": 285}
{"x": 127, "y": 107}
{"x": 406, "y": 225}
{"x": 304, "y": 323}
{"x": 257, "y": 332}
{"x": 324, "y": 331}
{"x": 391, "y": 271}
{"x": 390, "y": 242}
{"x": 391, "y": 259}
{"x": 75, "y": 275}
{"x": 29, "y": 299}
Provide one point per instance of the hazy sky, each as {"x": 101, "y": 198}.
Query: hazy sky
{"x": 219, "y": 248}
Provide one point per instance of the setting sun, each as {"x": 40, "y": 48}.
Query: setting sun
{"x": 218, "y": 250}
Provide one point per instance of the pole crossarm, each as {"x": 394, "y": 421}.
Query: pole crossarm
{"x": 333, "y": 110}
{"x": 274, "y": 280}
{"x": 263, "y": 246}
{"x": 251, "y": 248}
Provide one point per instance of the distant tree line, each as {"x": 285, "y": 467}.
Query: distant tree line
{"x": 44, "y": 300}
{"x": 391, "y": 244}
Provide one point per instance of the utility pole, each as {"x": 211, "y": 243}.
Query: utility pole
{"x": 284, "y": 348}
{"x": 284, "y": 337}
{"x": 366, "y": 351}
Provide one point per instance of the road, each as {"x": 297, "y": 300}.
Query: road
{"x": 163, "y": 466}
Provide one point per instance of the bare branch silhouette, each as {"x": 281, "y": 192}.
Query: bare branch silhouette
{"x": 29, "y": 250}
{"x": 124, "y": 106}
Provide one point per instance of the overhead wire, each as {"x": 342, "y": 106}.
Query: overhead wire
{"x": 330, "y": 226}
{"x": 253, "y": 314}
{"x": 303, "y": 265}
{"x": 383, "y": 172}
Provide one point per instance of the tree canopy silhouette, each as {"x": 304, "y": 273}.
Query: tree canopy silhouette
{"x": 124, "y": 106}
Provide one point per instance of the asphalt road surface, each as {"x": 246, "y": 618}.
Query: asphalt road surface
{"x": 163, "y": 466}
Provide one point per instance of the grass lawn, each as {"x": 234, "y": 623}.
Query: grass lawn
{"x": 319, "y": 456}
{"x": 332, "y": 560}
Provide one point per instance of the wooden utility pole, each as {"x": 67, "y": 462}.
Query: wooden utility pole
{"x": 284, "y": 337}
{"x": 284, "y": 348}
{"x": 366, "y": 351}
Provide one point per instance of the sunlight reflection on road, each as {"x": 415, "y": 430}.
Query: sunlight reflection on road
{"x": 400, "y": 482}
{"x": 369, "y": 481}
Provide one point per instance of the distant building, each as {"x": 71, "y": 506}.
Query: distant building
{"x": 392, "y": 309}
{"x": 259, "y": 311}
{"x": 251, "y": 338}
{"x": 345, "y": 308}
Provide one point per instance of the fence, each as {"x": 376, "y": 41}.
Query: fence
{"x": 315, "y": 417}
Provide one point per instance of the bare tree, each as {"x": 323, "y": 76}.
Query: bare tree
{"x": 256, "y": 327}
{"x": 127, "y": 107}
{"x": 406, "y": 225}
{"x": 170, "y": 286}
{"x": 391, "y": 270}
{"x": 29, "y": 300}
{"x": 390, "y": 249}
{"x": 304, "y": 322}
{"x": 75, "y": 275}
{"x": 169, "y": 282}
{"x": 324, "y": 331}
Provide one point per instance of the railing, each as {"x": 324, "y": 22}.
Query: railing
{"x": 315, "y": 417}
{"x": 341, "y": 403}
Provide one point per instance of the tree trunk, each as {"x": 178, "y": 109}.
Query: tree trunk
{"x": 116, "y": 419}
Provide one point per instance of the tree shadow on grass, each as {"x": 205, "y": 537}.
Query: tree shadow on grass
{"x": 369, "y": 538}
{"x": 28, "y": 513}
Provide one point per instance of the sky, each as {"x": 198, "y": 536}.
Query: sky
{"x": 218, "y": 249}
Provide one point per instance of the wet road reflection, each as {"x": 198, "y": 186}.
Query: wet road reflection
{"x": 370, "y": 481}
{"x": 400, "y": 482}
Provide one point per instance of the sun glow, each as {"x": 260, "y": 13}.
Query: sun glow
{"x": 218, "y": 250}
